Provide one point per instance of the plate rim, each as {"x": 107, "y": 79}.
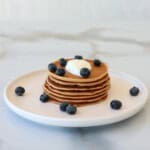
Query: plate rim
{"x": 73, "y": 122}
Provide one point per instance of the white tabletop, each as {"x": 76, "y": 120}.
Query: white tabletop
{"x": 28, "y": 47}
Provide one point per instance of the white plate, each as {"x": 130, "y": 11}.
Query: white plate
{"x": 30, "y": 107}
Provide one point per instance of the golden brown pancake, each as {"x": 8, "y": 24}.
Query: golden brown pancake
{"x": 77, "y": 94}
{"x": 76, "y": 87}
{"x": 94, "y": 83}
{"x": 85, "y": 101}
{"x": 78, "y": 98}
{"x": 78, "y": 90}
{"x": 96, "y": 73}
{"x": 88, "y": 91}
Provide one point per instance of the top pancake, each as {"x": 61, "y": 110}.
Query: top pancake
{"x": 97, "y": 72}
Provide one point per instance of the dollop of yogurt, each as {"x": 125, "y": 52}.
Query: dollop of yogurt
{"x": 74, "y": 66}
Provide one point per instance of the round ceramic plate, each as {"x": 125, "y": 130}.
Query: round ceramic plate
{"x": 30, "y": 107}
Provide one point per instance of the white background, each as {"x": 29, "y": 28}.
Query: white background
{"x": 89, "y": 11}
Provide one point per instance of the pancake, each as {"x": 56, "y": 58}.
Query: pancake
{"x": 78, "y": 98}
{"x": 64, "y": 83}
{"x": 76, "y": 94}
{"x": 96, "y": 73}
{"x": 78, "y": 90}
{"x": 91, "y": 100}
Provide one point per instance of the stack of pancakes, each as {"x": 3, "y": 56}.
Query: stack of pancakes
{"x": 78, "y": 90}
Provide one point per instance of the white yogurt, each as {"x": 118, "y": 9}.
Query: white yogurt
{"x": 74, "y": 66}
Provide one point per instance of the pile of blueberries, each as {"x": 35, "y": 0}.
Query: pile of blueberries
{"x": 84, "y": 72}
{"x": 71, "y": 109}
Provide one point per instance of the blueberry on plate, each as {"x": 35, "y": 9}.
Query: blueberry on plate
{"x": 70, "y": 109}
{"x": 85, "y": 72}
{"x": 63, "y": 106}
{"x": 60, "y": 71}
{"x": 62, "y": 62}
{"x": 134, "y": 91}
{"x": 97, "y": 62}
{"x": 44, "y": 98}
{"x": 115, "y": 104}
{"x": 19, "y": 91}
{"x": 52, "y": 67}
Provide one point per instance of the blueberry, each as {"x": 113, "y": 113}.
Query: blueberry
{"x": 44, "y": 98}
{"x": 62, "y": 62}
{"x": 52, "y": 67}
{"x": 134, "y": 91}
{"x": 63, "y": 106}
{"x": 85, "y": 72}
{"x": 60, "y": 72}
{"x": 115, "y": 104}
{"x": 71, "y": 109}
{"x": 19, "y": 91}
{"x": 97, "y": 62}
{"x": 78, "y": 57}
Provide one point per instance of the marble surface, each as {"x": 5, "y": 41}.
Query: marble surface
{"x": 75, "y": 11}
{"x": 27, "y": 47}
